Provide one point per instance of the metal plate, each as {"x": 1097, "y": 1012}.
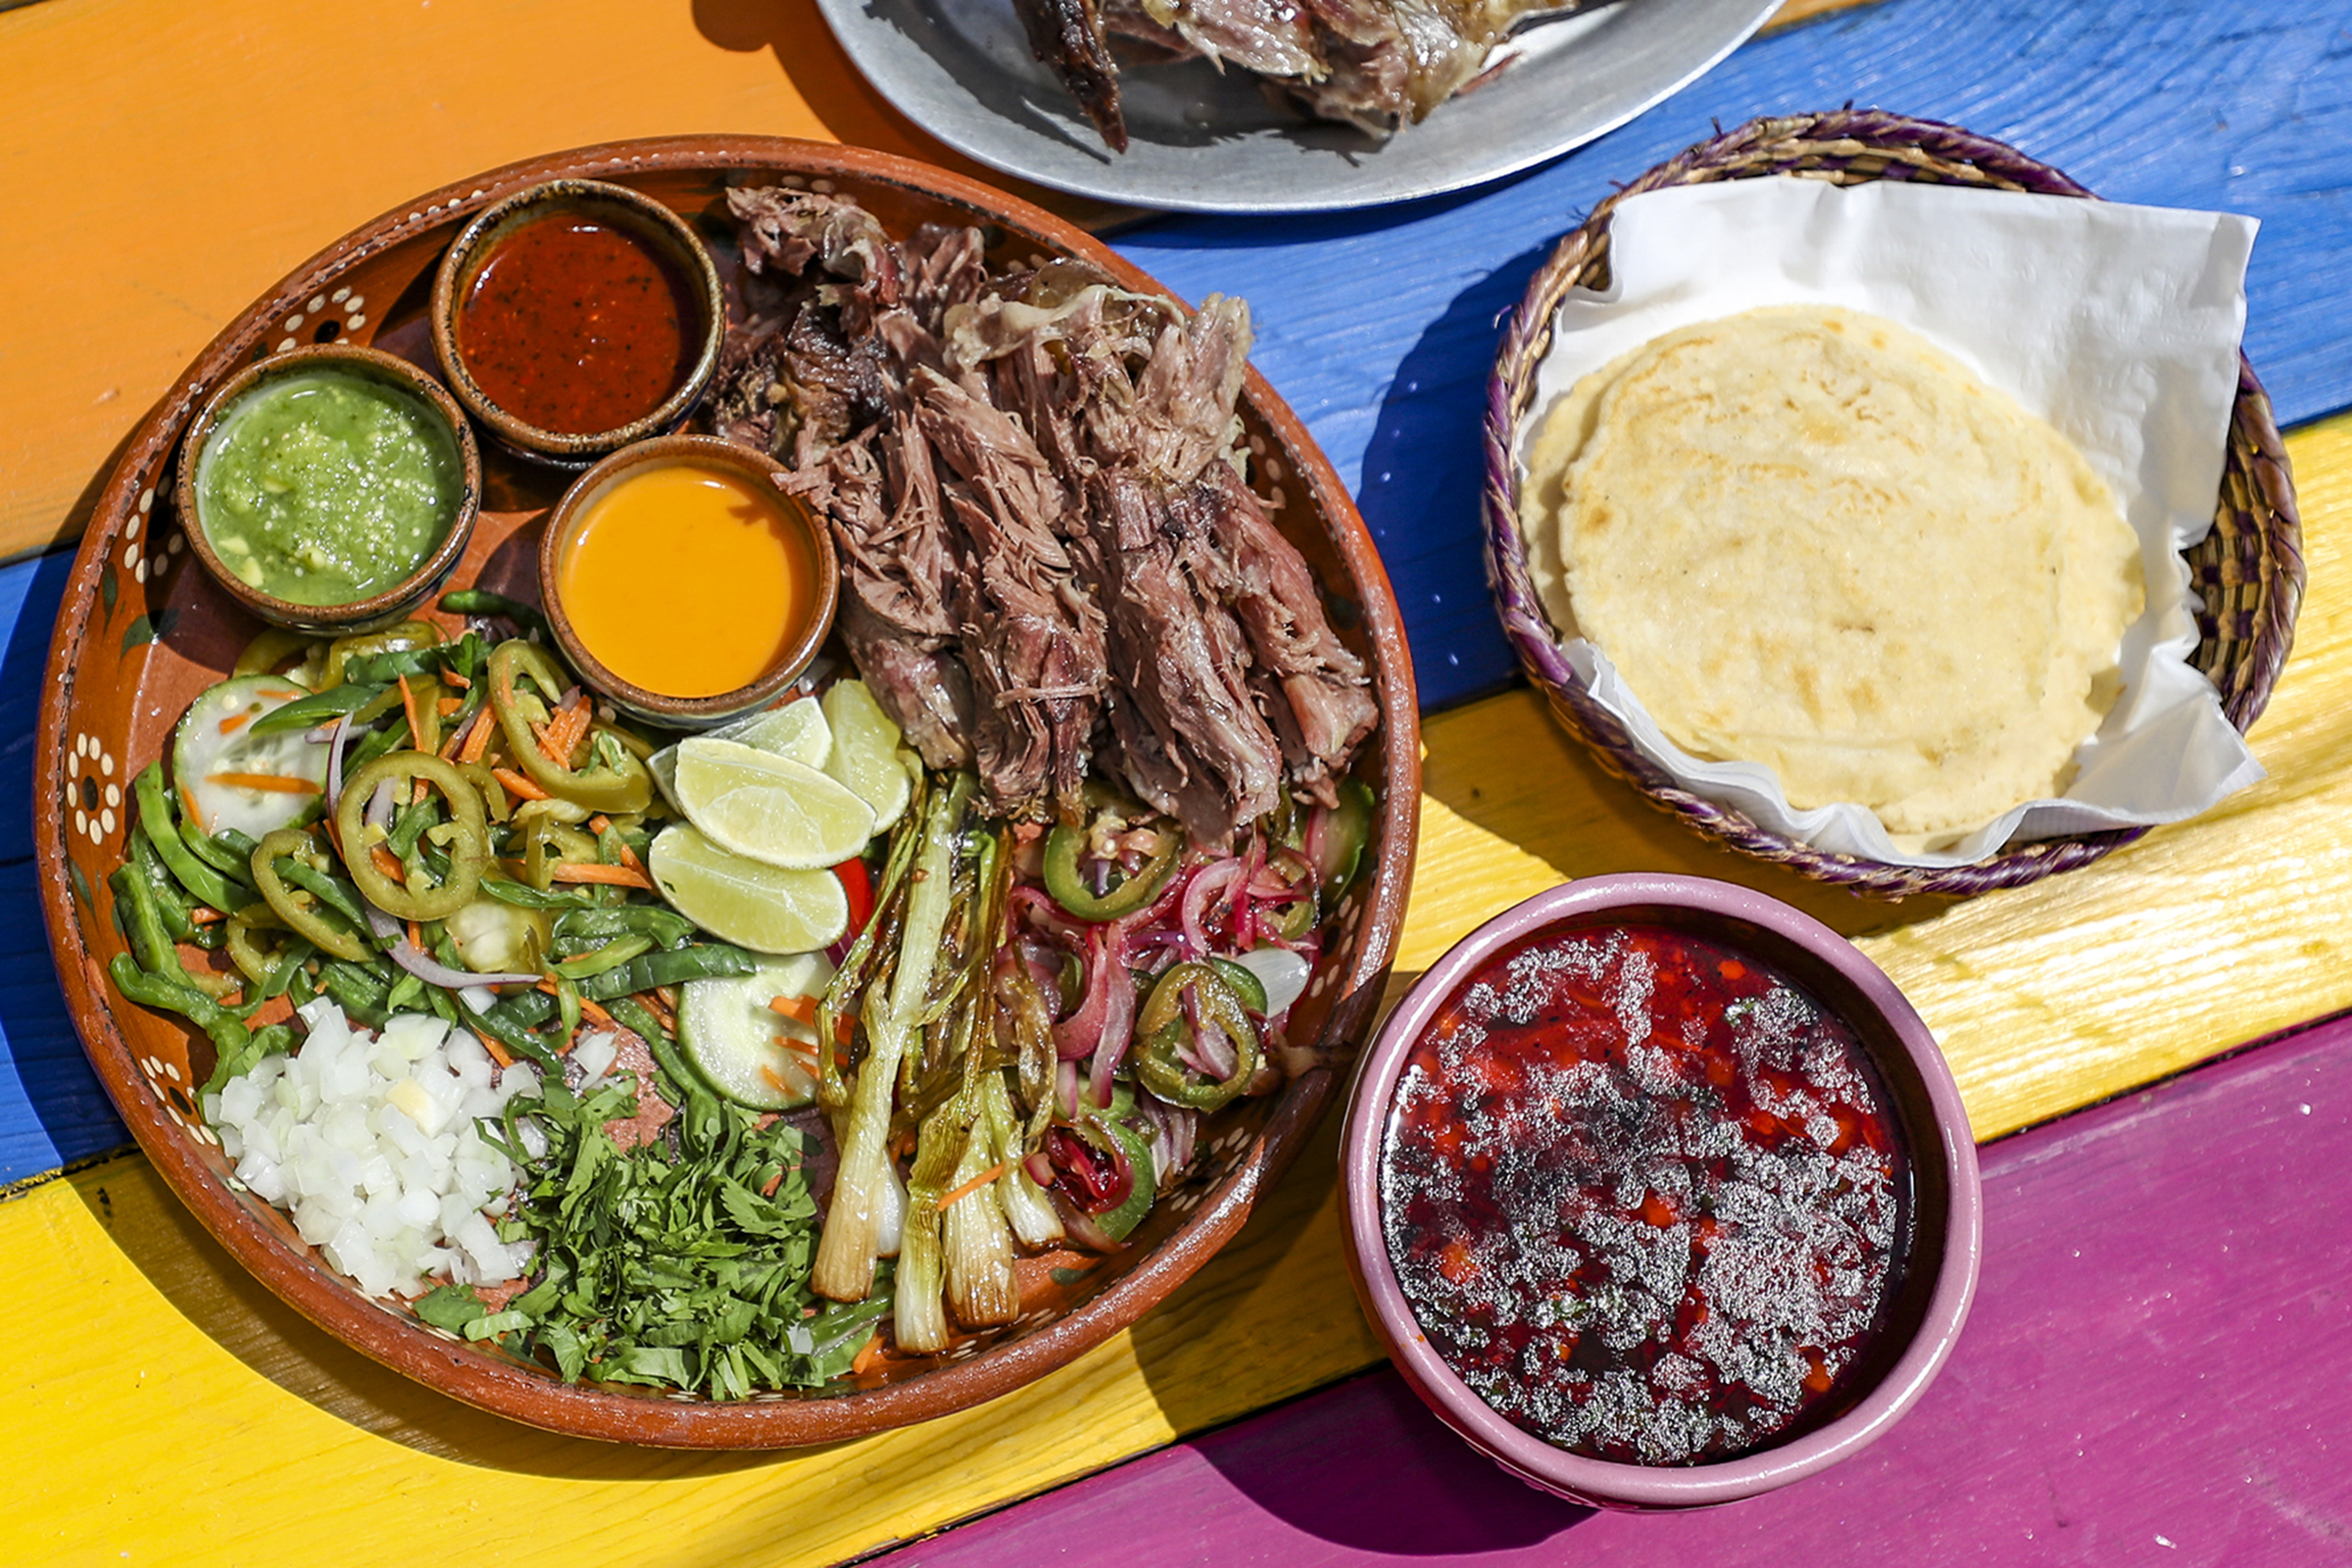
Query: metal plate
{"x": 1212, "y": 142}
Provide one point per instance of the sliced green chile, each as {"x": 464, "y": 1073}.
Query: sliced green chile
{"x": 1160, "y": 1035}
{"x": 1070, "y": 891}
{"x": 291, "y": 842}
{"x": 614, "y": 790}
{"x": 467, "y": 836}
{"x": 400, "y": 638}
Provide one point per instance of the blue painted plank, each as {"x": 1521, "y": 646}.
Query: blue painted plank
{"x": 52, "y": 1110}
{"x": 1381, "y": 327}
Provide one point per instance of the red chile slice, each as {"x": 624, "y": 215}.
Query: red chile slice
{"x": 1096, "y": 1178}
{"x": 1645, "y": 1195}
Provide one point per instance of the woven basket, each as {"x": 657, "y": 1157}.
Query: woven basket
{"x": 2247, "y": 573}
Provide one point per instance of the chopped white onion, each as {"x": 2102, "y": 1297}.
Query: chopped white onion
{"x": 372, "y": 1143}
{"x": 1282, "y": 972}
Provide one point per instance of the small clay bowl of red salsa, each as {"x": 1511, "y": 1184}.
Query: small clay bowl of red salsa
{"x": 1660, "y": 1194}
{"x": 576, "y": 317}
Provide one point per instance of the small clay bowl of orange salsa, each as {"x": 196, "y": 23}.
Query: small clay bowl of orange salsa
{"x": 683, "y": 583}
{"x": 576, "y": 317}
{"x": 1660, "y": 1194}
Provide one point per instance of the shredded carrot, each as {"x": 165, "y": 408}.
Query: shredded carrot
{"x": 271, "y": 783}
{"x": 386, "y": 862}
{"x": 497, "y": 1053}
{"x": 775, "y": 1079}
{"x": 456, "y": 680}
{"x": 448, "y": 705}
{"x": 948, "y": 1201}
{"x": 619, "y": 876}
{"x": 628, "y": 857}
{"x": 867, "y": 1356}
{"x": 478, "y": 741}
{"x": 560, "y": 735}
{"x": 408, "y": 706}
{"x": 187, "y": 801}
{"x": 235, "y": 722}
{"x": 800, "y": 1009}
{"x": 416, "y": 936}
{"x": 203, "y": 914}
{"x": 516, "y": 784}
{"x": 277, "y": 1009}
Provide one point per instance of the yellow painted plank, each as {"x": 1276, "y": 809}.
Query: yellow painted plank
{"x": 161, "y": 1403}
{"x": 138, "y": 1343}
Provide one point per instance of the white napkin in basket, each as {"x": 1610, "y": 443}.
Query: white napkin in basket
{"x": 2118, "y": 324}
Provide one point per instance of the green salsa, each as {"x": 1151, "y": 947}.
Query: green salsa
{"x": 327, "y": 488}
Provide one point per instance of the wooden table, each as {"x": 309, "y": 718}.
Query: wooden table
{"x": 160, "y": 166}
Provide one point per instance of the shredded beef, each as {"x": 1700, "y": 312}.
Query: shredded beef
{"x": 1051, "y": 561}
{"x": 1373, "y": 63}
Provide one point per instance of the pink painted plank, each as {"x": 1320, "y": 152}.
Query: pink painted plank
{"x": 2158, "y": 1369}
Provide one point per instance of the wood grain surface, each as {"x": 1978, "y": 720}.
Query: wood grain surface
{"x": 2153, "y": 1373}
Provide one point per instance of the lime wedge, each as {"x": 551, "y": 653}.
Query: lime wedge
{"x": 796, "y": 730}
{"x": 865, "y": 750}
{"x": 742, "y": 1046}
{"x": 770, "y": 808}
{"x": 753, "y": 906}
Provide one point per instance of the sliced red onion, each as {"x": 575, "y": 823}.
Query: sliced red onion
{"x": 1040, "y": 1169}
{"x": 334, "y": 764}
{"x": 386, "y": 928}
{"x": 432, "y": 972}
{"x": 1207, "y": 885}
{"x": 1184, "y": 1125}
{"x": 1082, "y": 1033}
{"x": 1051, "y": 918}
{"x": 1118, "y": 1025}
{"x": 1080, "y": 1229}
{"x": 1065, "y": 1090}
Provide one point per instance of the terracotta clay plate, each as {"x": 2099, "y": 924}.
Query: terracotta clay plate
{"x": 143, "y": 629}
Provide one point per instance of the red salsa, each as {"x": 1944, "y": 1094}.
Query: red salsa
{"x": 577, "y": 326}
{"x": 1645, "y": 1195}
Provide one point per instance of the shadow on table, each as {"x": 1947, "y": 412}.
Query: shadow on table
{"x": 1366, "y": 1466}
{"x": 236, "y": 1311}
{"x": 1362, "y": 1464}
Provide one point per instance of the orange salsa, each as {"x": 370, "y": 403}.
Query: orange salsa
{"x": 686, "y": 581}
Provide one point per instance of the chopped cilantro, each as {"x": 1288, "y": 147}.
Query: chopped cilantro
{"x": 681, "y": 1263}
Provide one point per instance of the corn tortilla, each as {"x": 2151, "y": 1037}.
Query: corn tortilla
{"x": 1808, "y": 538}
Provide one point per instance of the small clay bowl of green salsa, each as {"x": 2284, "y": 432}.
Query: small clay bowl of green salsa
{"x": 577, "y": 318}
{"x": 330, "y": 488}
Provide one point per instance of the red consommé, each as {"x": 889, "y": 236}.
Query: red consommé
{"x": 1645, "y": 1195}
{"x": 578, "y": 326}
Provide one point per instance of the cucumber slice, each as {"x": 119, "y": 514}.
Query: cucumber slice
{"x": 214, "y": 744}
{"x": 736, "y": 1041}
